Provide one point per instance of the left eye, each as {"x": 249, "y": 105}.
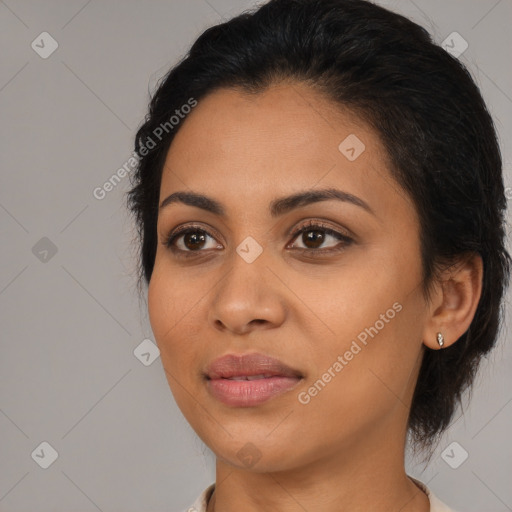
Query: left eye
{"x": 313, "y": 236}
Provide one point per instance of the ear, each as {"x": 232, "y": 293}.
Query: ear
{"x": 454, "y": 301}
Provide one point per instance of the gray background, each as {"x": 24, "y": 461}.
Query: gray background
{"x": 72, "y": 320}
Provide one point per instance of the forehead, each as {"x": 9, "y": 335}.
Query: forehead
{"x": 286, "y": 138}
{"x": 290, "y": 119}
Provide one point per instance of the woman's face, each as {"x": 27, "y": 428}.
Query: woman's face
{"x": 343, "y": 308}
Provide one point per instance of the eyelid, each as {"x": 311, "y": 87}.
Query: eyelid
{"x": 209, "y": 230}
{"x": 312, "y": 223}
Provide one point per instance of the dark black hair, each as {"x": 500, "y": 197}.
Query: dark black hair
{"x": 427, "y": 111}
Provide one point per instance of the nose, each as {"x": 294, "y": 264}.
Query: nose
{"x": 248, "y": 297}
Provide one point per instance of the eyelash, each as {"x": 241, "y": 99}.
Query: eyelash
{"x": 309, "y": 226}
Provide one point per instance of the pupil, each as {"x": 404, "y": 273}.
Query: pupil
{"x": 195, "y": 239}
{"x": 315, "y": 239}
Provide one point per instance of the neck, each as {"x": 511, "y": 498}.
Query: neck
{"x": 366, "y": 476}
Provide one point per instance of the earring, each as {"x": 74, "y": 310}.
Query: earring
{"x": 440, "y": 339}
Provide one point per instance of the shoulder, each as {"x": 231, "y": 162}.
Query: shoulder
{"x": 202, "y": 500}
{"x": 436, "y": 505}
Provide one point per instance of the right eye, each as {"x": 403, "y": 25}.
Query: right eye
{"x": 188, "y": 239}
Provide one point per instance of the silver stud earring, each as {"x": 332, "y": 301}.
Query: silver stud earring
{"x": 440, "y": 339}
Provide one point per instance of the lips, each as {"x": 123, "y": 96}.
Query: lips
{"x": 249, "y": 367}
{"x": 249, "y": 380}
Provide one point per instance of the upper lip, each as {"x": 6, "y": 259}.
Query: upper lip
{"x": 233, "y": 365}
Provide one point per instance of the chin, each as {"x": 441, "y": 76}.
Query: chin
{"x": 257, "y": 455}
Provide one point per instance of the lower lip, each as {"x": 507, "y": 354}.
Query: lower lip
{"x": 248, "y": 393}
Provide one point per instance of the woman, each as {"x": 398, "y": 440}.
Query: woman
{"x": 320, "y": 203}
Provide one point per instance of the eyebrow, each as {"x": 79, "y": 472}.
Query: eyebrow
{"x": 277, "y": 207}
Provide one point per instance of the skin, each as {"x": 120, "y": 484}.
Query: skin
{"x": 344, "y": 450}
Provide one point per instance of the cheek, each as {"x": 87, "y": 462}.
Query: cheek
{"x": 165, "y": 310}
{"x": 375, "y": 327}
{"x": 160, "y": 302}
{"x": 371, "y": 383}
{"x": 173, "y": 307}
